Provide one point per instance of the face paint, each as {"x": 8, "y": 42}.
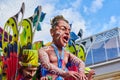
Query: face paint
{"x": 59, "y": 34}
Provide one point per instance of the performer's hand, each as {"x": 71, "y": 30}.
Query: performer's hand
{"x": 44, "y": 78}
{"x": 72, "y": 75}
{"x": 82, "y": 75}
{"x": 91, "y": 74}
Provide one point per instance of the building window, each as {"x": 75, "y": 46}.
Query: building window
{"x": 98, "y": 52}
{"x": 111, "y": 48}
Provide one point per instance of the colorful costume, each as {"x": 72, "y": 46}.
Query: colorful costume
{"x": 29, "y": 59}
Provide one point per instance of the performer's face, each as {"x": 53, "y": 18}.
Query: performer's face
{"x": 61, "y": 33}
{"x": 29, "y": 72}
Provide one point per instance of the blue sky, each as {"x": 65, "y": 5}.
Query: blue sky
{"x": 93, "y": 16}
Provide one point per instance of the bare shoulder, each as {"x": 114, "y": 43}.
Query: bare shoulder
{"x": 44, "y": 55}
{"x": 45, "y": 49}
{"x": 67, "y": 53}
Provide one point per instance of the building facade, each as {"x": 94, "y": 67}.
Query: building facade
{"x": 103, "y": 54}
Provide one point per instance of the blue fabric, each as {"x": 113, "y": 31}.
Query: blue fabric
{"x": 42, "y": 16}
{"x": 44, "y": 71}
{"x": 59, "y": 78}
{"x": 60, "y": 58}
{"x": 39, "y": 27}
{"x": 73, "y": 36}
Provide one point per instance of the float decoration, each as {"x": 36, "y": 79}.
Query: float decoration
{"x": 10, "y": 58}
{"x": 22, "y": 33}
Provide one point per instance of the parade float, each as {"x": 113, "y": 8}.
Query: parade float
{"x": 17, "y": 36}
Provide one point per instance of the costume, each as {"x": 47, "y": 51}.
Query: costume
{"x": 29, "y": 60}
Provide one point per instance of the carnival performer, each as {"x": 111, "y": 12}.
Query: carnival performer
{"x": 54, "y": 58}
{"x": 28, "y": 65}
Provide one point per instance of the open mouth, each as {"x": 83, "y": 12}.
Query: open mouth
{"x": 65, "y": 39}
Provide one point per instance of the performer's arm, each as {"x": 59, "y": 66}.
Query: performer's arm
{"x": 75, "y": 60}
{"x": 44, "y": 60}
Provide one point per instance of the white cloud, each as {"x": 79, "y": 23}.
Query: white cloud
{"x": 76, "y": 4}
{"x": 113, "y": 22}
{"x": 48, "y": 8}
{"x": 95, "y": 6}
{"x": 43, "y": 35}
{"x": 95, "y": 28}
{"x": 9, "y": 9}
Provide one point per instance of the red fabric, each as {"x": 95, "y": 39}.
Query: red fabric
{"x": 11, "y": 66}
{"x": 72, "y": 68}
{"x": 15, "y": 62}
{"x": 8, "y": 69}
